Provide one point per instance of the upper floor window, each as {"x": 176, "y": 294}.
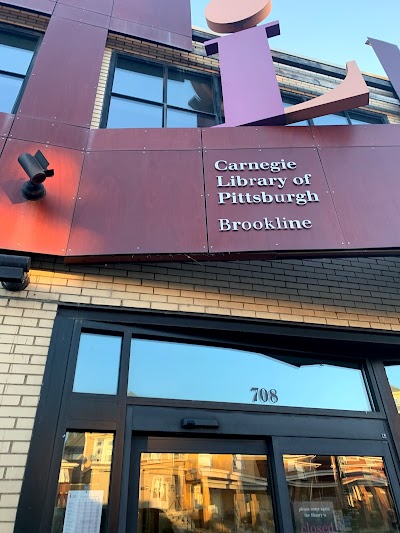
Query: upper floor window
{"x": 349, "y": 117}
{"x": 149, "y": 95}
{"x": 354, "y": 117}
{"x": 16, "y": 53}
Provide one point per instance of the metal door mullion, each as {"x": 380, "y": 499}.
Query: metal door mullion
{"x": 282, "y": 505}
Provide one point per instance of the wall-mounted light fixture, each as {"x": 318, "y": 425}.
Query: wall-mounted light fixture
{"x": 14, "y": 272}
{"x": 36, "y": 167}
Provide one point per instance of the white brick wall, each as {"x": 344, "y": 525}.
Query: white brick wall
{"x": 357, "y": 292}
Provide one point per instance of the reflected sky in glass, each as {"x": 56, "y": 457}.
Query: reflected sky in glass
{"x": 133, "y": 114}
{"x": 330, "y": 120}
{"x": 9, "y": 89}
{"x": 189, "y": 372}
{"x": 16, "y": 53}
{"x": 97, "y": 367}
{"x": 139, "y": 80}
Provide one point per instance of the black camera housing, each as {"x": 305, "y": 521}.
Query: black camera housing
{"x": 36, "y": 167}
{"x": 14, "y": 272}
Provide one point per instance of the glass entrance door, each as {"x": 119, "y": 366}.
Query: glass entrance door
{"x": 181, "y": 485}
{"x": 332, "y": 489}
{"x": 339, "y": 493}
{"x": 201, "y": 485}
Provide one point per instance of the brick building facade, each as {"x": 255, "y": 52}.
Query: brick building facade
{"x": 344, "y": 296}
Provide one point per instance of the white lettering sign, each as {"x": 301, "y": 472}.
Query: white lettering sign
{"x": 269, "y": 190}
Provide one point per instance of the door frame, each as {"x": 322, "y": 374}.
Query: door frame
{"x": 279, "y": 433}
{"x": 61, "y": 410}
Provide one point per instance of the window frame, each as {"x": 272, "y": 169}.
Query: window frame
{"x": 23, "y": 32}
{"x": 217, "y": 95}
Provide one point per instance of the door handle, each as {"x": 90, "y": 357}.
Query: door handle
{"x": 192, "y": 423}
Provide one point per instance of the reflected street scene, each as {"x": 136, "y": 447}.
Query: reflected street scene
{"x": 340, "y": 494}
{"x": 225, "y": 493}
{"x": 83, "y": 483}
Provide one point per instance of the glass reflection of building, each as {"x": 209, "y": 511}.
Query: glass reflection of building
{"x": 216, "y": 492}
{"x": 85, "y": 466}
{"x": 353, "y": 489}
{"x": 396, "y": 396}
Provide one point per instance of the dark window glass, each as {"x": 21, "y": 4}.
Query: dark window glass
{"x": 340, "y": 493}
{"x": 97, "y": 366}
{"x": 145, "y": 95}
{"x": 83, "y": 483}
{"x": 358, "y": 118}
{"x": 189, "y": 372}
{"x": 356, "y": 121}
{"x": 16, "y": 52}
{"x": 126, "y": 113}
{"x": 9, "y": 90}
{"x": 139, "y": 80}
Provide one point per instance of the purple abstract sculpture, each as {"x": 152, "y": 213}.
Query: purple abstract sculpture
{"x": 249, "y": 85}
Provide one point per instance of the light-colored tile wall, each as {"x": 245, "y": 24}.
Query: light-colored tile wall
{"x": 356, "y": 292}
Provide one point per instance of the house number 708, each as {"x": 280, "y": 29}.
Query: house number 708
{"x": 264, "y": 396}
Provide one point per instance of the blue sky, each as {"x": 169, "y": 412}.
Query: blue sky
{"x": 331, "y": 31}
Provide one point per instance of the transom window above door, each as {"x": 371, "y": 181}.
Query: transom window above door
{"x": 181, "y": 371}
{"x": 150, "y": 95}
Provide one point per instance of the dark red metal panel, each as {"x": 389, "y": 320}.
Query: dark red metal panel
{"x": 148, "y": 33}
{"x": 43, "y": 226}
{"x": 99, "y": 6}
{"x": 82, "y": 15}
{"x": 257, "y": 137}
{"x": 325, "y": 232}
{"x": 140, "y": 203}
{"x": 366, "y": 192}
{"x": 368, "y": 135}
{"x": 40, "y": 6}
{"x": 140, "y": 195}
{"x": 6, "y": 121}
{"x": 65, "y": 75}
{"x": 156, "y": 20}
{"x": 142, "y": 139}
{"x": 49, "y": 132}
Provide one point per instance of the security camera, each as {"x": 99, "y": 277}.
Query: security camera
{"x": 36, "y": 167}
{"x": 14, "y": 272}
